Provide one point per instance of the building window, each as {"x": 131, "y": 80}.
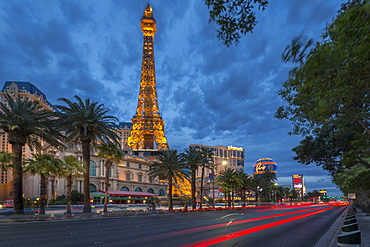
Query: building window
{"x": 151, "y": 191}
{"x": 128, "y": 176}
{"x": 124, "y": 188}
{"x": 139, "y": 166}
{"x": 161, "y": 192}
{"x": 92, "y": 188}
{"x": 92, "y": 168}
{"x": 138, "y": 189}
{"x": 140, "y": 177}
{"x": 127, "y": 164}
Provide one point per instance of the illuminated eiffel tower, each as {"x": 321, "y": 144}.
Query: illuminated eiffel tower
{"x": 147, "y": 125}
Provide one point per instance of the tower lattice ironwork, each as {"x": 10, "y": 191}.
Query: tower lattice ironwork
{"x": 147, "y": 125}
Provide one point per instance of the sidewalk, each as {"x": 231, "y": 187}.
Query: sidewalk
{"x": 329, "y": 239}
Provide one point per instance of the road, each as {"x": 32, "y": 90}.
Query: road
{"x": 280, "y": 226}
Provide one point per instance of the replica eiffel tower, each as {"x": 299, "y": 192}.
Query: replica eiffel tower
{"x": 147, "y": 125}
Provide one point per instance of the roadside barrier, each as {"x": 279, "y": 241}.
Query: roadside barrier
{"x": 351, "y": 235}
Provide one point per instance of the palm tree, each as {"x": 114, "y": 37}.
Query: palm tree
{"x": 5, "y": 160}
{"x": 71, "y": 166}
{"x": 207, "y": 162}
{"x": 113, "y": 154}
{"x": 228, "y": 180}
{"x": 26, "y": 121}
{"x": 43, "y": 165}
{"x": 244, "y": 183}
{"x": 267, "y": 180}
{"x": 171, "y": 167}
{"x": 87, "y": 122}
{"x": 193, "y": 158}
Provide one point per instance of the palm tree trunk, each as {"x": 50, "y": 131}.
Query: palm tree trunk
{"x": 228, "y": 199}
{"x": 69, "y": 193}
{"x": 193, "y": 189}
{"x": 17, "y": 179}
{"x": 107, "y": 169}
{"x": 43, "y": 184}
{"x": 170, "y": 206}
{"x": 201, "y": 188}
{"x": 86, "y": 163}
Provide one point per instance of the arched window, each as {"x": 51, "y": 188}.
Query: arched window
{"x": 151, "y": 191}
{"x": 161, "y": 192}
{"x": 124, "y": 188}
{"x": 92, "y": 188}
{"x": 138, "y": 189}
{"x": 92, "y": 168}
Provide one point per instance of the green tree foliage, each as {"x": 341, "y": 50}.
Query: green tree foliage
{"x": 6, "y": 160}
{"x": 71, "y": 167}
{"x": 243, "y": 184}
{"x": 234, "y": 17}
{"x": 327, "y": 94}
{"x": 207, "y": 162}
{"x": 89, "y": 123}
{"x": 194, "y": 159}
{"x": 28, "y": 122}
{"x": 171, "y": 167}
{"x": 113, "y": 154}
{"x": 355, "y": 180}
{"x": 228, "y": 180}
{"x": 43, "y": 165}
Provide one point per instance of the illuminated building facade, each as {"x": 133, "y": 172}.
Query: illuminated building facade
{"x": 31, "y": 92}
{"x": 223, "y": 158}
{"x": 129, "y": 175}
{"x": 147, "y": 125}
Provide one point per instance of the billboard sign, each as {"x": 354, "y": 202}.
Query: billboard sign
{"x": 297, "y": 181}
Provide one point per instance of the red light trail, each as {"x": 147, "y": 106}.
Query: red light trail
{"x": 222, "y": 238}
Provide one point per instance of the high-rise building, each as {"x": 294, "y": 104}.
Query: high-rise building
{"x": 31, "y": 92}
{"x": 147, "y": 125}
{"x": 225, "y": 157}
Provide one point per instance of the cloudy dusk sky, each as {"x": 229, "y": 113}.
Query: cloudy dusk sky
{"x": 208, "y": 93}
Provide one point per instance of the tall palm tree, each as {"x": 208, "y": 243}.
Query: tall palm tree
{"x": 244, "y": 183}
{"x": 43, "y": 165}
{"x": 71, "y": 166}
{"x": 5, "y": 160}
{"x": 26, "y": 121}
{"x": 87, "y": 122}
{"x": 193, "y": 158}
{"x": 171, "y": 167}
{"x": 207, "y": 162}
{"x": 113, "y": 154}
{"x": 228, "y": 180}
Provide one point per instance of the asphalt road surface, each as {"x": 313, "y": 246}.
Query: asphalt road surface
{"x": 281, "y": 226}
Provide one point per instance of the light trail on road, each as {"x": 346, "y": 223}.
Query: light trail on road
{"x": 211, "y": 227}
{"x": 225, "y": 237}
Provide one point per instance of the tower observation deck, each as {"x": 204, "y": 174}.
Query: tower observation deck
{"x": 147, "y": 125}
